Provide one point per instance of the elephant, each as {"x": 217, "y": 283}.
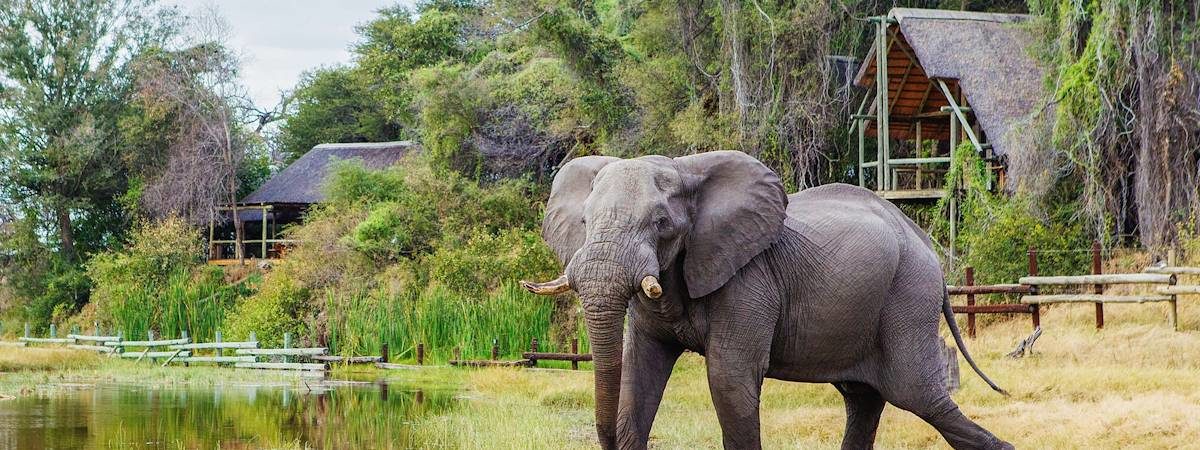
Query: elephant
{"x": 707, "y": 253}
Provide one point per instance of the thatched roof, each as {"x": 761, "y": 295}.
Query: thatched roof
{"x": 303, "y": 181}
{"x": 984, "y": 54}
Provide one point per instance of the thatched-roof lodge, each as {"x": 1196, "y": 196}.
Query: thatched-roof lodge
{"x": 284, "y": 198}
{"x": 951, "y": 77}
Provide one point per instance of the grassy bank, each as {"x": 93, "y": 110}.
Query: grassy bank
{"x": 1132, "y": 385}
{"x": 31, "y": 370}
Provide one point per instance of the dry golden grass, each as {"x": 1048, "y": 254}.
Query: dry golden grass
{"x": 1135, "y": 384}
{"x": 14, "y": 359}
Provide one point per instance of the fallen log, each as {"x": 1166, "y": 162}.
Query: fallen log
{"x": 282, "y": 366}
{"x": 492, "y": 363}
{"x": 348, "y": 359}
{"x": 557, "y": 356}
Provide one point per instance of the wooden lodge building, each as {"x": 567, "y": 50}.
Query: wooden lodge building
{"x": 951, "y": 77}
{"x": 283, "y": 200}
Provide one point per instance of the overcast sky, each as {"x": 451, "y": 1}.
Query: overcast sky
{"x": 280, "y": 39}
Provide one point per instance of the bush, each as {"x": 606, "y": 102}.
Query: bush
{"x": 276, "y": 308}
{"x": 996, "y": 231}
{"x": 411, "y": 254}
{"x": 159, "y": 283}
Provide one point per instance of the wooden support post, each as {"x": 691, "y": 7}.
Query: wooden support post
{"x": 881, "y": 102}
{"x": 383, "y": 352}
{"x": 26, "y": 329}
{"x": 212, "y": 220}
{"x": 861, "y": 125}
{"x": 53, "y": 331}
{"x": 970, "y": 275}
{"x": 287, "y": 343}
{"x": 264, "y": 235}
{"x": 1033, "y": 271}
{"x": 421, "y": 354}
{"x": 575, "y": 351}
{"x": 457, "y": 353}
{"x": 217, "y": 339}
{"x": 533, "y": 348}
{"x": 95, "y": 328}
{"x": 1099, "y": 288}
{"x": 495, "y": 349}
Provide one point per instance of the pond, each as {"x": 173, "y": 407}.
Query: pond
{"x": 326, "y": 415}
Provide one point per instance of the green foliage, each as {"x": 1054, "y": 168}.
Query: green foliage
{"x": 273, "y": 310}
{"x": 335, "y": 105}
{"x": 64, "y": 78}
{"x": 996, "y": 231}
{"x": 160, "y": 283}
{"x": 410, "y": 254}
{"x": 447, "y": 101}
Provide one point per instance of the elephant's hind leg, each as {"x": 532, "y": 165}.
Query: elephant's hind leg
{"x": 863, "y": 408}
{"x": 913, "y": 376}
{"x": 960, "y": 431}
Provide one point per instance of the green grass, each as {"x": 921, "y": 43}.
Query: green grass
{"x": 30, "y": 370}
{"x": 193, "y": 302}
{"x": 443, "y": 320}
{"x": 1132, "y": 385}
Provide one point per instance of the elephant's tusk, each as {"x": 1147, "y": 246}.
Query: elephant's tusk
{"x": 552, "y": 287}
{"x": 650, "y": 287}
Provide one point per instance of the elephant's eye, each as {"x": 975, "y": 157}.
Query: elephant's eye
{"x": 662, "y": 224}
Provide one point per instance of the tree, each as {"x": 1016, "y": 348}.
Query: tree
{"x": 333, "y": 105}
{"x": 64, "y": 78}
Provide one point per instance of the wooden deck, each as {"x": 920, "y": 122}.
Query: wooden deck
{"x": 247, "y": 261}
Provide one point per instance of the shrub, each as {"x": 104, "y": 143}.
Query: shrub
{"x": 276, "y": 308}
{"x": 159, "y": 283}
{"x": 996, "y": 231}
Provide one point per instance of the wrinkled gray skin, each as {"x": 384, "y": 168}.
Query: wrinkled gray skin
{"x": 829, "y": 285}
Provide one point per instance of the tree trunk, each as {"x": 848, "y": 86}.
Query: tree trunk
{"x": 731, "y": 14}
{"x": 65, "y": 234}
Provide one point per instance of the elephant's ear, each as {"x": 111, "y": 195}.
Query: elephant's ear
{"x": 563, "y": 228}
{"x": 739, "y": 206}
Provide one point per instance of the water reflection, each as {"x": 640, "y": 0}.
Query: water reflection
{"x": 362, "y": 415}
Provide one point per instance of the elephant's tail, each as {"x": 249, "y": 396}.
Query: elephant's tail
{"x": 962, "y": 347}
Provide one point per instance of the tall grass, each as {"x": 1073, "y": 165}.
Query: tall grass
{"x": 442, "y": 319}
{"x": 186, "y": 301}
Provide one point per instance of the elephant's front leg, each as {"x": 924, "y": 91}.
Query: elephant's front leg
{"x": 739, "y": 349}
{"x": 648, "y": 364}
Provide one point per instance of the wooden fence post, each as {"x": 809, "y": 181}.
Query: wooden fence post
{"x": 969, "y": 272}
{"x": 533, "y": 348}
{"x": 53, "y": 331}
{"x": 1036, "y": 312}
{"x": 575, "y": 351}
{"x": 95, "y": 328}
{"x": 26, "y": 329}
{"x": 287, "y": 343}
{"x": 421, "y": 354}
{"x": 217, "y": 339}
{"x": 1173, "y": 312}
{"x": 1099, "y": 288}
{"x": 457, "y": 353}
{"x": 495, "y": 349}
{"x": 383, "y": 352}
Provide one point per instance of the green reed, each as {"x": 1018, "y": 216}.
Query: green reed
{"x": 441, "y": 319}
{"x": 195, "y": 302}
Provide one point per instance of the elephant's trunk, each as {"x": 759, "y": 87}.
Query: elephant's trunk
{"x": 606, "y": 275}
